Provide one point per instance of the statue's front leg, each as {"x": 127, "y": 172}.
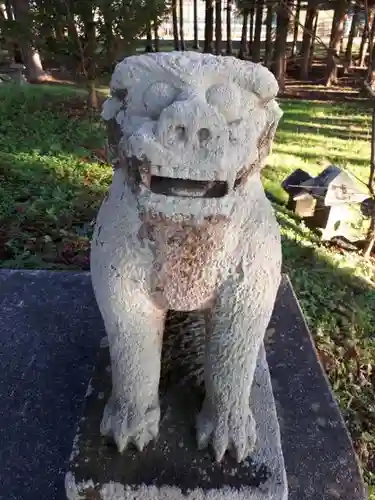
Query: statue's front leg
{"x": 134, "y": 327}
{"x": 236, "y": 330}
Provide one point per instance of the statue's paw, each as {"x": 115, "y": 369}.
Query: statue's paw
{"x": 128, "y": 425}
{"x": 232, "y": 430}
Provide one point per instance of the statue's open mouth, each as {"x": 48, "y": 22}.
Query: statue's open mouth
{"x": 169, "y": 186}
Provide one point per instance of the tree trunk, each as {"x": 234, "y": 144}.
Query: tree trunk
{"x": 208, "y": 26}
{"x": 110, "y": 40}
{"x": 334, "y": 43}
{"x": 30, "y": 53}
{"x": 9, "y": 10}
{"x": 251, "y": 32}
{"x": 268, "y": 44}
{"x": 195, "y": 9}
{"x": 60, "y": 31}
{"x": 258, "y": 31}
{"x": 5, "y": 16}
{"x": 363, "y": 46}
{"x": 229, "y": 28}
{"x": 370, "y": 239}
{"x": 296, "y": 28}
{"x": 92, "y": 99}
{"x": 149, "y": 47}
{"x": 218, "y": 34}
{"x": 371, "y": 41}
{"x": 283, "y": 19}
{"x": 308, "y": 35}
{"x": 77, "y": 65}
{"x": 312, "y": 47}
{"x": 245, "y": 20}
{"x": 181, "y": 16}
{"x": 175, "y": 25}
{"x": 371, "y": 62}
{"x": 156, "y": 35}
{"x": 352, "y": 34}
{"x": 89, "y": 63}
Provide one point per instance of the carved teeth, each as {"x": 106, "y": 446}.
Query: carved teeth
{"x": 169, "y": 186}
{"x": 146, "y": 178}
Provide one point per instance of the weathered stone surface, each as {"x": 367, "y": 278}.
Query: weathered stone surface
{"x": 173, "y": 460}
{"x": 319, "y": 456}
{"x": 186, "y": 225}
{"x": 51, "y": 330}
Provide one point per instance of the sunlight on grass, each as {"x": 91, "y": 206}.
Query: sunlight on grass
{"x": 50, "y": 184}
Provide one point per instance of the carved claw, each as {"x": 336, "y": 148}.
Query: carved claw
{"x": 128, "y": 426}
{"x": 232, "y": 431}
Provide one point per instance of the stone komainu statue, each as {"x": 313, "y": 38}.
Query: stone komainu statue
{"x": 185, "y": 226}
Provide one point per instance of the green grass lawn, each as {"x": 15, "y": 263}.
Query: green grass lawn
{"x": 52, "y": 183}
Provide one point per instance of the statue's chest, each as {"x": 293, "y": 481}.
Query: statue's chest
{"x": 188, "y": 260}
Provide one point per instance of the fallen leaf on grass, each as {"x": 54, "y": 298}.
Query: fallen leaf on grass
{"x": 327, "y": 361}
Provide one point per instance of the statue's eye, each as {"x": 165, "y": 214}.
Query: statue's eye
{"x": 158, "y": 96}
{"x": 232, "y": 103}
{"x": 226, "y": 99}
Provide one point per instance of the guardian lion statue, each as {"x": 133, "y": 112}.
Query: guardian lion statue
{"x": 186, "y": 226}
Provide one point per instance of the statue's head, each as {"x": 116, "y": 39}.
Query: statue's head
{"x": 191, "y": 125}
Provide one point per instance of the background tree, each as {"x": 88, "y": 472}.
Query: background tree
{"x": 352, "y": 35}
{"x": 195, "y": 14}
{"x": 181, "y": 24}
{"x": 175, "y": 25}
{"x": 229, "y": 49}
{"x": 308, "y": 36}
{"x": 268, "y": 42}
{"x": 25, "y": 28}
{"x": 218, "y": 21}
{"x": 251, "y": 29}
{"x": 296, "y": 27}
{"x": 341, "y": 10}
{"x": 208, "y": 26}
{"x": 258, "y": 31}
{"x": 280, "y": 50}
{"x": 245, "y": 21}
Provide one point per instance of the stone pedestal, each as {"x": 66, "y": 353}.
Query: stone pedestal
{"x": 319, "y": 457}
{"x": 51, "y": 330}
{"x": 172, "y": 467}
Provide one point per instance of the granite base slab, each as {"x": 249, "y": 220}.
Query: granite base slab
{"x": 173, "y": 467}
{"x": 50, "y": 334}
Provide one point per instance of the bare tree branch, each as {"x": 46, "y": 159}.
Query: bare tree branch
{"x": 315, "y": 37}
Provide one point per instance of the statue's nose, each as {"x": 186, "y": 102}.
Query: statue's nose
{"x": 189, "y": 124}
{"x": 183, "y": 134}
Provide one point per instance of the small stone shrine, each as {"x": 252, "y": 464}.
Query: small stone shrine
{"x": 12, "y": 73}
{"x": 325, "y": 200}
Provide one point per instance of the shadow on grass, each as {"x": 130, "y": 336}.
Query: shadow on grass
{"x": 50, "y": 189}
{"x": 332, "y": 156}
{"x": 311, "y": 118}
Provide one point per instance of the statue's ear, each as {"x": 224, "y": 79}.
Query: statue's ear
{"x": 265, "y": 143}
{"x": 266, "y": 139}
